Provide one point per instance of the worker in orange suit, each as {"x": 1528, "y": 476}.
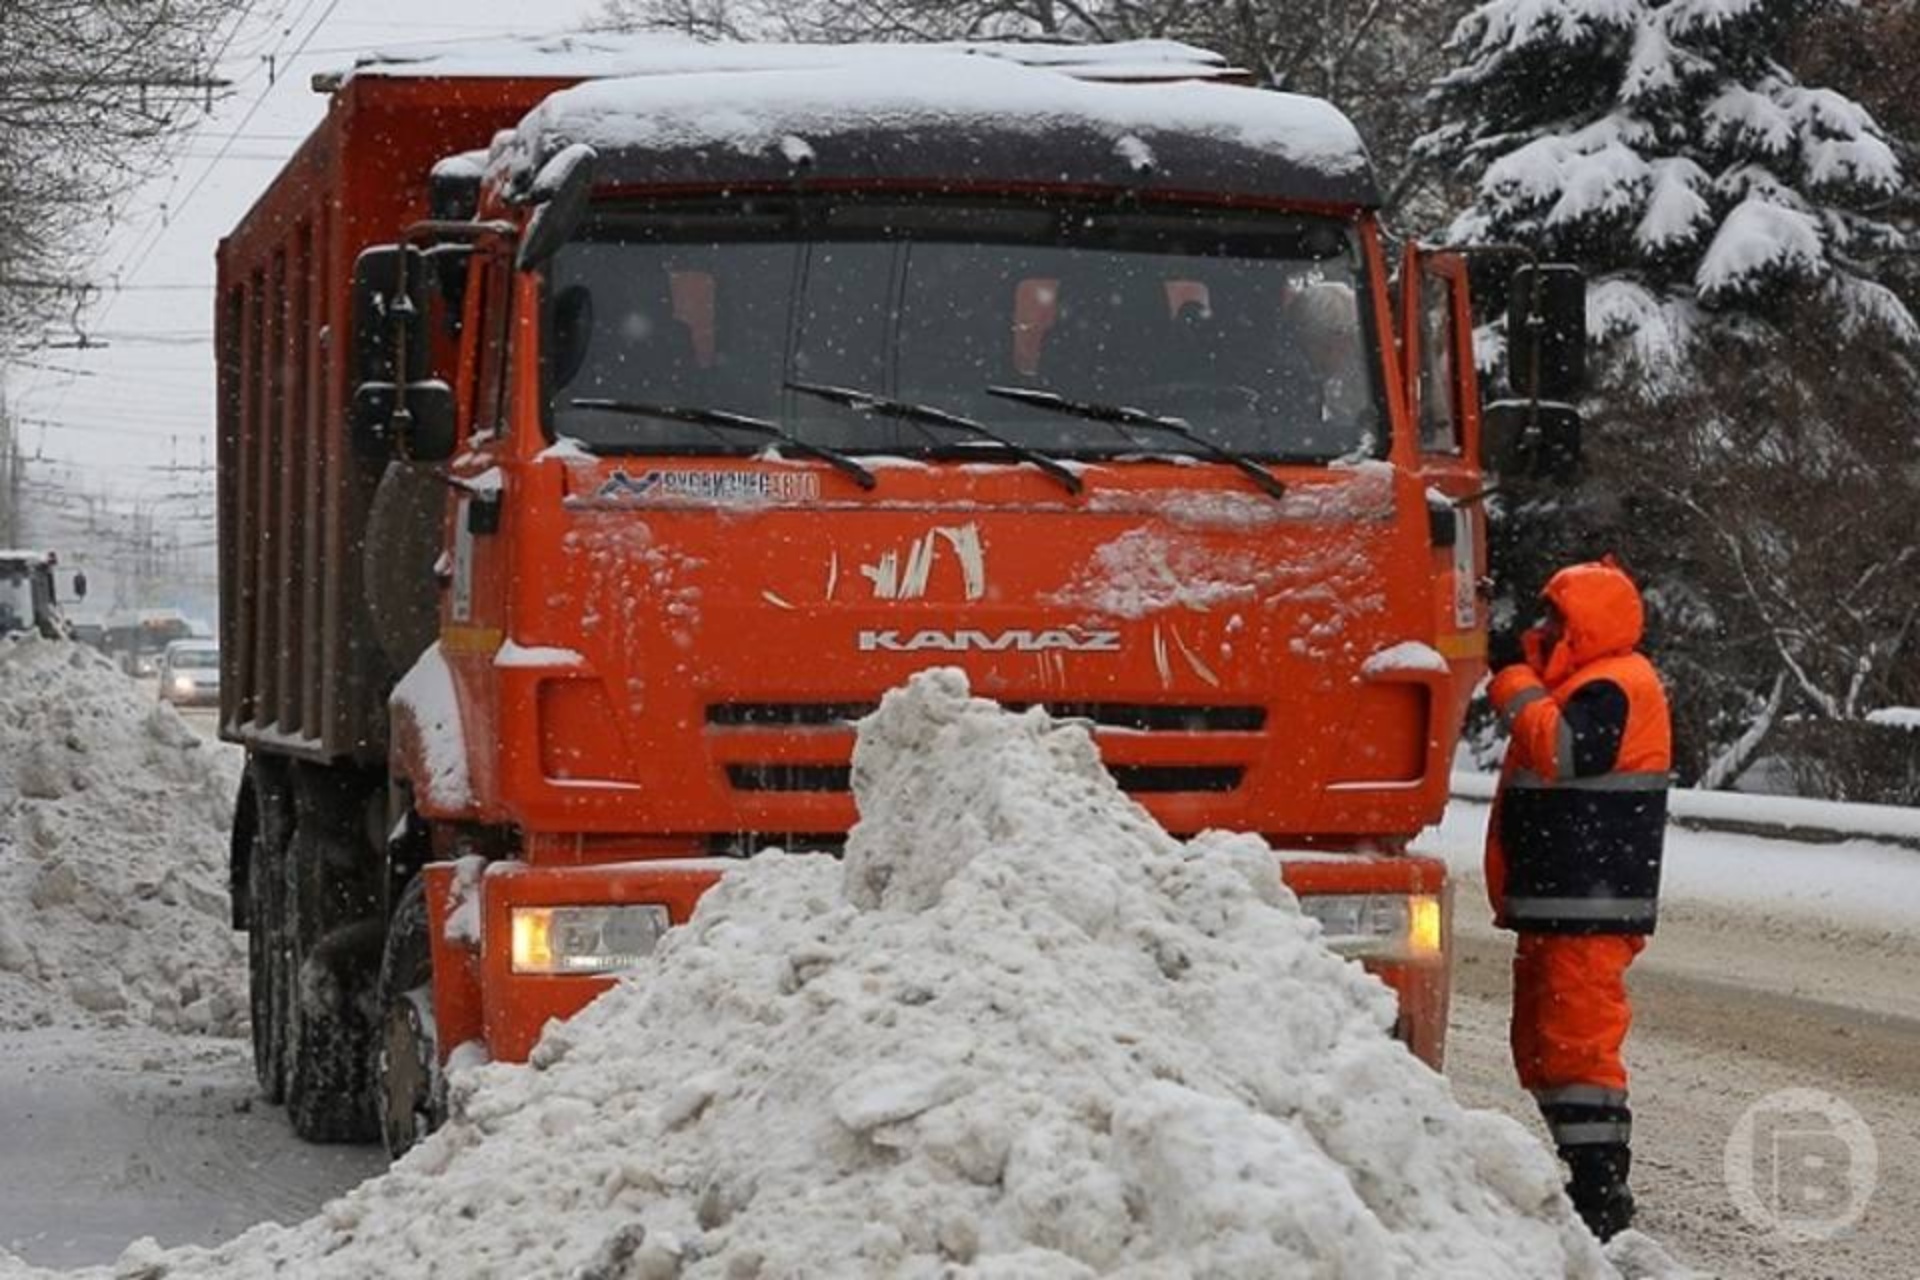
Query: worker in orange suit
{"x": 1573, "y": 864}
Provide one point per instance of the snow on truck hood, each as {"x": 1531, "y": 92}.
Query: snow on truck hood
{"x": 1020, "y": 1031}
{"x": 931, "y": 113}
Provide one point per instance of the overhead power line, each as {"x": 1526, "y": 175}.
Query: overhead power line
{"x": 101, "y": 428}
{"x": 57, "y": 286}
{"x": 146, "y": 251}
{"x": 428, "y": 44}
{"x": 240, "y": 17}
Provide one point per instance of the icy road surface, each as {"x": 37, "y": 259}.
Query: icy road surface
{"x": 107, "y": 1136}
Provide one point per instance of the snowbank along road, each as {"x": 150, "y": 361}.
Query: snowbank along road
{"x": 126, "y": 1094}
{"x": 113, "y": 872}
{"x": 1019, "y": 1032}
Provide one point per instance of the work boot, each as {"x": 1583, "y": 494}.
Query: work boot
{"x": 1598, "y": 1187}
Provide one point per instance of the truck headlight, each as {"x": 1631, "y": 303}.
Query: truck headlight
{"x": 584, "y": 940}
{"x": 1384, "y": 926}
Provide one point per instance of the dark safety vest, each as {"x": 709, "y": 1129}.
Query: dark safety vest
{"x": 1582, "y": 834}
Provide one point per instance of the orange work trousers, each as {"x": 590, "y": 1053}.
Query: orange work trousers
{"x": 1570, "y": 1009}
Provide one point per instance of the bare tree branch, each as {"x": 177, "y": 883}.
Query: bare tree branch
{"x": 90, "y": 93}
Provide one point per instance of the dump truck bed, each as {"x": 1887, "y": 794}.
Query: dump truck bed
{"x": 301, "y": 673}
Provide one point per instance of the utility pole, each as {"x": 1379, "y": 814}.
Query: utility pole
{"x": 9, "y": 478}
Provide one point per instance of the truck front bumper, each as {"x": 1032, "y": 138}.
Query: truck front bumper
{"x": 480, "y": 998}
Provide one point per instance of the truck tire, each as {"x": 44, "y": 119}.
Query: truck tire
{"x": 333, "y": 965}
{"x": 266, "y": 968}
{"x": 409, "y": 1091}
{"x": 263, "y": 820}
{"x": 329, "y": 1034}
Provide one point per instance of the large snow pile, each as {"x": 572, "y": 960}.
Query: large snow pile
{"x": 1021, "y": 1032}
{"x": 113, "y": 847}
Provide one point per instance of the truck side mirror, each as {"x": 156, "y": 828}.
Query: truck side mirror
{"x": 397, "y": 409}
{"x": 417, "y": 427}
{"x": 79, "y": 586}
{"x": 1530, "y": 438}
{"x": 560, "y": 189}
{"x": 385, "y": 331}
{"x": 1547, "y": 332}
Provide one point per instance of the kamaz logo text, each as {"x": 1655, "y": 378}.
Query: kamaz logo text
{"x": 989, "y": 641}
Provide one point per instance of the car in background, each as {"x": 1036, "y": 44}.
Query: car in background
{"x": 138, "y": 640}
{"x": 190, "y": 673}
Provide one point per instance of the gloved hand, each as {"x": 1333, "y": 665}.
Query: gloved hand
{"x": 1513, "y": 688}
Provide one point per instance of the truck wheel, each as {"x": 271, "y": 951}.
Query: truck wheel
{"x": 262, "y": 824}
{"x": 328, "y": 1099}
{"x": 407, "y": 1086}
{"x": 333, "y": 969}
{"x": 266, "y": 967}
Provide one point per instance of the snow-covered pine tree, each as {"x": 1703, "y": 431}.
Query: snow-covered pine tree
{"x": 1756, "y": 387}
{"x": 1664, "y": 145}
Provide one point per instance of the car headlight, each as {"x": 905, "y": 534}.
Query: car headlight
{"x": 1384, "y": 926}
{"x": 584, "y": 940}
{"x": 183, "y": 684}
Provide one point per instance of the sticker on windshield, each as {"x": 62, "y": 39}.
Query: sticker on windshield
{"x": 710, "y": 486}
{"x": 1466, "y": 582}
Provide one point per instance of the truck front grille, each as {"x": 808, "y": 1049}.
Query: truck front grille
{"x": 1135, "y": 778}
{"x": 790, "y": 777}
{"x": 1142, "y": 717}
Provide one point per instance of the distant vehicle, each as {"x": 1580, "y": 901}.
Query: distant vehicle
{"x": 138, "y": 640}
{"x": 29, "y": 604}
{"x": 190, "y": 673}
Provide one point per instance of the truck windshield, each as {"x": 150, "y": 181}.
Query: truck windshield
{"x": 16, "y": 603}
{"x": 1254, "y": 328}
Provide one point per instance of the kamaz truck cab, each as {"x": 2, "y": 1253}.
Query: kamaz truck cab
{"x": 695, "y": 405}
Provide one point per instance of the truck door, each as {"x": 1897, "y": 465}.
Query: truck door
{"x": 478, "y": 569}
{"x": 1444, "y": 398}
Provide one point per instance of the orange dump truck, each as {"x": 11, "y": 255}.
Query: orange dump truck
{"x": 604, "y": 427}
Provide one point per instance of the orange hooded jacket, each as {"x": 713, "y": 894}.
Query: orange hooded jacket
{"x": 1580, "y": 818}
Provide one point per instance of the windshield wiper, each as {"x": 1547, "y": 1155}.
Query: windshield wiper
{"x": 1122, "y": 417}
{"x": 928, "y": 415}
{"x": 717, "y": 420}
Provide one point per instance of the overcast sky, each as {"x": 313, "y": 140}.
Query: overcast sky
{"x": 109, "y": 417}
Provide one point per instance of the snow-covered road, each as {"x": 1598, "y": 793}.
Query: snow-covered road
{"x": 107, "y": 1136}
{"x": 1742, "y": 994}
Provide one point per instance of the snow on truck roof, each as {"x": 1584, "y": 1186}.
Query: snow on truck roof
{"x": 950, "y": 117}
{"x": 595, "y": 55}
{"x": 673, "y": 110}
